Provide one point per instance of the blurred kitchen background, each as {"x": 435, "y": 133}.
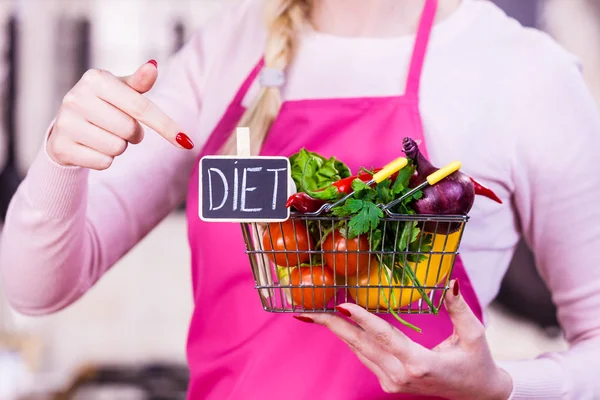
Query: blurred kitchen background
{"x": 126, "y": 338}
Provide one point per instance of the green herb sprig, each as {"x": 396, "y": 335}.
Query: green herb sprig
{"x": 366, "y": 218}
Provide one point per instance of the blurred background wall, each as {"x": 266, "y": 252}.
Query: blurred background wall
{"x": 139, "y": 313}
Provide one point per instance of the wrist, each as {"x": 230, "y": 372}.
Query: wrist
{"x": 504, "y": 386}
{"x": 49, "y": 148}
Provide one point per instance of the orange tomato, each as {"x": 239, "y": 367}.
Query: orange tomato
{"x": 309, "y": 294}
{"x": 340, "y": 254}
{"x": 292, "y": 239}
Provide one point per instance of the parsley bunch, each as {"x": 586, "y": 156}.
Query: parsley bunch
{"x": 364, "y": 208}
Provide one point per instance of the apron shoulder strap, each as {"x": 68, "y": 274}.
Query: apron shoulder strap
{"x": 420, "y": 49}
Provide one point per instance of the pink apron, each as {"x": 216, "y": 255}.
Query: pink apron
{"x": 235, "y": 349}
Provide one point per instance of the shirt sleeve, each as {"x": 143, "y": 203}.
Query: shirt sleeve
{"x": 67, "y": 226}
{"x": 556, "y": 173}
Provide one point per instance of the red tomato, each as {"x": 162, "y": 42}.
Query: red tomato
{"x": 310, "y": 283}
{"x": 339, "y": 260}
{"x": 282, "y": 238}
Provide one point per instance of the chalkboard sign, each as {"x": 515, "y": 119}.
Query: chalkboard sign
{"x": 244, "y": 189}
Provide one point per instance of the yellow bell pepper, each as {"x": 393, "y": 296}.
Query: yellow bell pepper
{"x": 429, "y": 272}
{"x": 373, "y": 297}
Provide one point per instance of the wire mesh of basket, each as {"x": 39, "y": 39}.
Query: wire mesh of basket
{"x": 311, "y": 263}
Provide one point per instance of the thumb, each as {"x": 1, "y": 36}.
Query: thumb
{"x": 144, "y": 78}
{"x": 467, "y": 326}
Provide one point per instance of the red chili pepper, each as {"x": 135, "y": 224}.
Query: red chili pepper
{"x": 304, "y": 203}
{"x": 344, "y": 186}
{"x": 484, "y": 191}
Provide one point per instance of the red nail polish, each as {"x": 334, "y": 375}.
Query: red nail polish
{"x": 343, "y": 311}
{"x": 153, "y": 62}
{"x": 184, "y": 141}
{"x": 456, "y": 288}
{"x": 304, "y": 319}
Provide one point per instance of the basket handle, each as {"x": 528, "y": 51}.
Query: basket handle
{"x": 390, "y": 169}
{"x": 431, "y": 179}
{"x": 444, "y": 172}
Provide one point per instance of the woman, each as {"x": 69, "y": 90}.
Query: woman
{"x": 347, "y": 78}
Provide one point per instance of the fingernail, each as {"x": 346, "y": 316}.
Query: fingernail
{"x": 343, "y": 311}
{"x": 304, "y": 319}
{"x": 184, "y": 141}
{"x": 153, "y": 62}
{"x": 456, "y": 288}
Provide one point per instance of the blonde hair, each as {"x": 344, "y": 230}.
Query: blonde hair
{"x": 285, "y": 19}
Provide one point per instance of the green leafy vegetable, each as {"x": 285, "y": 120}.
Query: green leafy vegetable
{"x": 405, "y": 237}
{"x": 402, "y": 181}
{"x": 394, "y": 313}
{"x": 360, "y": 188}
{"x": 384, "y": 192}
{"x": 367, "y": 219}
{"x": 312, "y": 172}
{"x": 423, "y": 245}
{"x": 363, "y": 206}
{"x": 409, "y": 234}
{"x": 376, "y": 237}
{"x": 352, "y": 206}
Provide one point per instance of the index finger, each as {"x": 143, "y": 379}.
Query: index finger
{"x": 120, "y": 95}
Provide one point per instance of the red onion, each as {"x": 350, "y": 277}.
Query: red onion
{"x": 453, "y": 195}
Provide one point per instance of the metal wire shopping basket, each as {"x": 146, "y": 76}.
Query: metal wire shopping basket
{"x": 306, "y": 264}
